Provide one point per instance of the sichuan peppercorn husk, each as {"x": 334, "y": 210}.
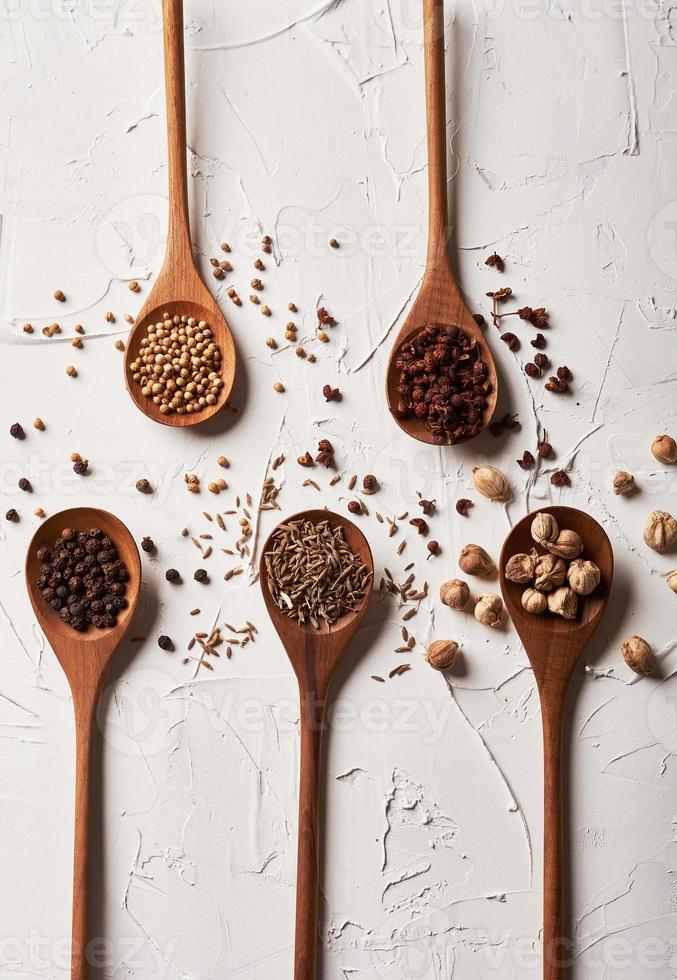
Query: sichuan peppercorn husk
{"x": 443, "y": 381}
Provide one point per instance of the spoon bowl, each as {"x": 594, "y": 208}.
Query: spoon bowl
{"x": 64, "y": 640}
{"x": 554, "y": 646}
{"x": 439, "y": 302}
{"x": 538, "y": 631}
{"x": 314, "y": 655}
{"x": 179, "y": 288}
{"x": 153, "y": 313}
{"x": 84, "y": 658}
{"x": 302, "y": 641}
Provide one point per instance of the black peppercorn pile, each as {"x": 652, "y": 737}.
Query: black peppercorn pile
{"x": 83, "y": 578}
{"x": 443, "y": 381}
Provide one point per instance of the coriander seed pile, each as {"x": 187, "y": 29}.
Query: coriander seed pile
{"x": 312, "y": 573}
{"x": 179, "y": 365}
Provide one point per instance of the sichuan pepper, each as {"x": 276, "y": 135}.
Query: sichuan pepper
{"x": 443, "y": 381}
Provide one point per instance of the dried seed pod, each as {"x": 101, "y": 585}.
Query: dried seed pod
{"x": 568, "y": 544}
{"x": 544, "y": 529}
{"x": 672, "y": 579}
{"x": 583, "y": 576}
{"x": 521, "y": 568}
{"x": 563, "y": 602}
{"x": 474, "y": 560}
{"x": 623, "y": 482}
{"x": 38, "y": 424}
{"x": 660, "y": 531}
{"x": 550, "y": 573}
{"x": 455, "y": 593}
{"x": 489, "y": 609}
{"x": 638, "y": 655}
{"x": 490, "y": 482}
{"x": 441, "y": 654}
{"x": 534, "y": 601}
{"x": 664, "y": 449}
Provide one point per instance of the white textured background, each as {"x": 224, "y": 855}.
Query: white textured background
{"x": 306, "y": 121}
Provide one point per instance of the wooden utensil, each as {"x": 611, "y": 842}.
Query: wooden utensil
{"x": 553, "y": 646}
{"x": 84, "y": 658}
{"x": 179, "y": 288}
{"x": 314, "y": 655}
{"x": 439, "y": 300}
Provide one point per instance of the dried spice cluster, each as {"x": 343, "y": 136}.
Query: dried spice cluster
{"x": 444, "y": 382}
{"x": 179, "y": 365}
{"x": 83, "y": 578}
{"x": 312, "y": 573}
{"x": 554, "y": 580}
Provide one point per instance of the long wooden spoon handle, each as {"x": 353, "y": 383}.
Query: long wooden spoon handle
{"x": 85, "y": 712}
{"x": 436, "y": 111}
{"x": 178, "y": 242}
{"x": 555, "y": 945}
{"x": 307, "y": 875}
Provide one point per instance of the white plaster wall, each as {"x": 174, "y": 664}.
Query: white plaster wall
{"x": 306, "y": 121}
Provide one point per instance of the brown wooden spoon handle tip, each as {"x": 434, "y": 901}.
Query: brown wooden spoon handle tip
{"x": 308, "y": 863}
{"x": 178, "y": 243}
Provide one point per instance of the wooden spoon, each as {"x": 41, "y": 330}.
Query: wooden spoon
{"x": 314, "y": 655}
{"x": 179, "y": 288}
{"x": 84, "y": 658}
{"x": 439, "y": 300}
{"x": 553, "y": 646}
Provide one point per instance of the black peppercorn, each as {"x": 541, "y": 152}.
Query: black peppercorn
{"x": 12, "y": 515}
{"x": 81, "y": 466}
{"x": 201, "y": 575}
{"x": 25, "y": 485}
{"x": 148, "y": 545}
{"x": 434, "y": 547}
{"x": 17, "y": 431}
{"x": 370, "y": 483}
{"x": 143, "y": 486}
{"x": 355, "y": 507}
{"x": 83, "y": 578}
{"x": 165, "y": 643}
{"x": 172, "y": 576}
